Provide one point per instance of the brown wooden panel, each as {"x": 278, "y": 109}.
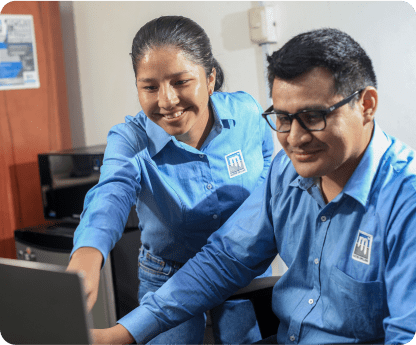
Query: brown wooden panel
{"x": 6, "y": 197}
{"x": 32, "y": 121}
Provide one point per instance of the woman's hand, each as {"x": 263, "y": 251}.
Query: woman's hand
{"x": 114, "y": 335}
{"x": 88, "y": 261}
{"x": 101, "y": 336}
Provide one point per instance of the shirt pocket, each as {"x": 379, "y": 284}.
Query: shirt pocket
{"x": 354, "y": 309}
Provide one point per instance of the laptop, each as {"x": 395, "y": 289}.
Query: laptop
{"x": 42, "y": 304}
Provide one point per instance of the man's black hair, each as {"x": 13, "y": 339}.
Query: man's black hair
{"x": 348, "y": 63}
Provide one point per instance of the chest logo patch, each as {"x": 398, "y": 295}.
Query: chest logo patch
{"x": 235, "y": 164}
{"x": 362, "y": 247}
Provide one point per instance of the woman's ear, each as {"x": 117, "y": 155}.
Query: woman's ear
{"x": 211, "y": 80}
{"x": 368, "y": 103}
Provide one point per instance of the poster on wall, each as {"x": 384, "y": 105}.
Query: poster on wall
{"x": 18, "y": 59}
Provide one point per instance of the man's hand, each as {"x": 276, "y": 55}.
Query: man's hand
{"x": 88, "y": 261}
{"x": 114, "y": 335}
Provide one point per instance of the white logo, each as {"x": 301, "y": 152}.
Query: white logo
{"x": 362, "y": 247}
{"x": 235, "y": 164}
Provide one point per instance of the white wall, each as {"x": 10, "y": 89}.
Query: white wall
{"x": 97, "y": 40}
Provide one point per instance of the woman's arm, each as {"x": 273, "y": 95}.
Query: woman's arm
{"x": 88, "y": 261}
{"x": 106, "y": 209}
{"x": 114, "y": 335}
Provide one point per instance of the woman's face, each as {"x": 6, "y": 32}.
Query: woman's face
{"x": 174, "y": 92}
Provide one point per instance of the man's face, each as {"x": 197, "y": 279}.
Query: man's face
{"x": 333, "y": 153}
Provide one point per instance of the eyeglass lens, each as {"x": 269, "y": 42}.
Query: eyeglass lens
{"x": 311, "y": 120}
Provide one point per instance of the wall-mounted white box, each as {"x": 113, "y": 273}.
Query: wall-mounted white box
{"x": 262, "y": 25}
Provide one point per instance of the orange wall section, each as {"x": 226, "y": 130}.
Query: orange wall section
{"x": 32, "y": 121}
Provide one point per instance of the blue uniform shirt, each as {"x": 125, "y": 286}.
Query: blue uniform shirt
{"x": 182, "y": 194}
{"x": 351, "y": 263}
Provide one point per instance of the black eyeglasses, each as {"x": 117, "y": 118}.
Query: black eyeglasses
{"x": 311, "y": 120}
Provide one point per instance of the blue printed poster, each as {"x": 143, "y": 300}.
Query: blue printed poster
{"x": 18, "y": 59}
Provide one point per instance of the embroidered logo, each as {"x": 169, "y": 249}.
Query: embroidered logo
{"x": 362, "y": 248}
{"x": 235, "y": 164}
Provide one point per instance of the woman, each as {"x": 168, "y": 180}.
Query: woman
{"x": 188, "y": 160}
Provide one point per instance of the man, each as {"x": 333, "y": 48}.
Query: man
{"x": 339, "y": 206}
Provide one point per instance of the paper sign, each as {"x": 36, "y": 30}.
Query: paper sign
{"x": 18, "y": 59}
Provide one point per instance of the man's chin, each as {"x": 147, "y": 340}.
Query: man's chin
{"x": 306, "y": 170}
{"x": 307, "y": 175}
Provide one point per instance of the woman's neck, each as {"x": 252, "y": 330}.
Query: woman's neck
{"x": 197, "y": 139}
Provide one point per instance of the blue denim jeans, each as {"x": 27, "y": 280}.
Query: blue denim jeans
{"x": 233, "y": 322}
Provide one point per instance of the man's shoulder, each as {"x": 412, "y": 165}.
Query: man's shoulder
{"x": 400, "y": 158}
{"x": 397, "y": 171}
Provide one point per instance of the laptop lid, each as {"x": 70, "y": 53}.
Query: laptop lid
{"x": 42, "y": 304}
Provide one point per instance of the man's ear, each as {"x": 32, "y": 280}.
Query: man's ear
{"x": 368, "y": 103}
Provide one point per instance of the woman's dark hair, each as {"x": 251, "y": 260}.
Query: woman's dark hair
{"x": 182, "y": 33}
{"x": 349, "y": 64}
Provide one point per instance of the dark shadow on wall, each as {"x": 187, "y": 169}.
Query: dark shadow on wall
{"x": 76, "y": 117}
{"x": 237, "y": 39}
{"x": 233, "y": 37}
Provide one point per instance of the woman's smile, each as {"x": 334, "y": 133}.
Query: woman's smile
{"x": 174, "y": 115}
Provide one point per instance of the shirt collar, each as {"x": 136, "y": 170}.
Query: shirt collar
{"x": 303, "y": 182}
{"x": 158, "y": 138}
{"x": 222, "y": 108}
{"x": 359, "y": 184}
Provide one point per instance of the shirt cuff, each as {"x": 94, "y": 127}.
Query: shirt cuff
{"x": 141, "y": 324}
{"x": 89, "y": 238}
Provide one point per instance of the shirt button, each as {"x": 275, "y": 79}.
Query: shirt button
{"x": 311, "y": 301}
{"x": 215, "y": 216}
{"x": 292, "y": 338}
{"x": 201, "y": 156}
{"x": 209, "y": 186}
{"x": 323, "y": 218}
{"x": 316, "y": 261}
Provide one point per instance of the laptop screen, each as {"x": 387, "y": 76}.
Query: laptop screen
{"x": 42, "y": 304}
